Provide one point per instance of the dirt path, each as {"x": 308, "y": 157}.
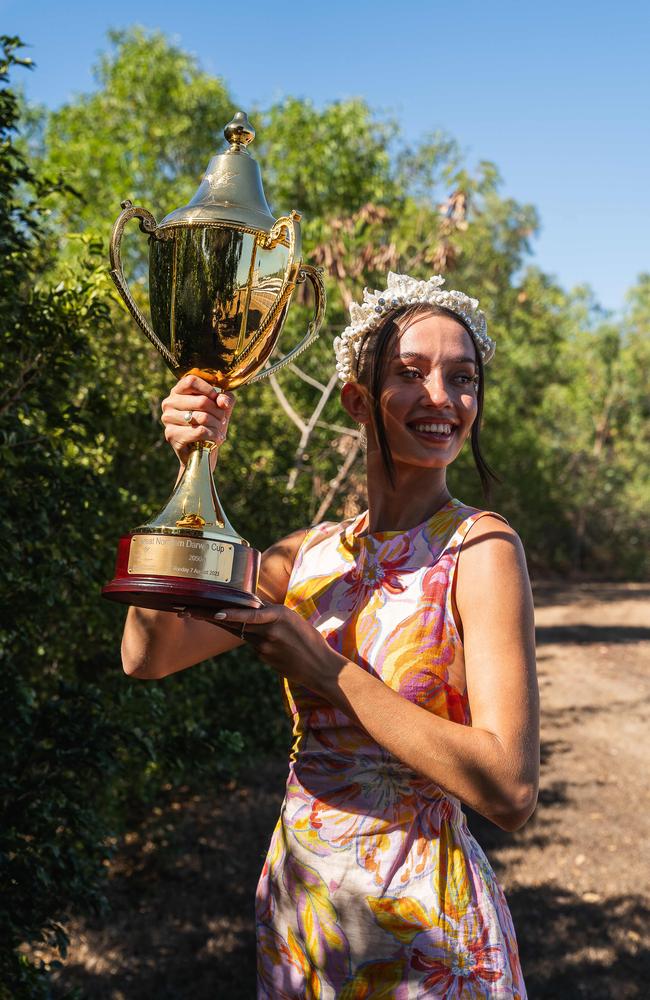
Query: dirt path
{"x": 576, "y": 877}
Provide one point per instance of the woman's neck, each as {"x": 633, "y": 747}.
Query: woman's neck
{"x": 416, "y": 496}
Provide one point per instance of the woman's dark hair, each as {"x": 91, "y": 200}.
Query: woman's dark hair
{"x": 371, "y": 370}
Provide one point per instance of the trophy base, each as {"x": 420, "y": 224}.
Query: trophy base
{"x": 172, "y": 572}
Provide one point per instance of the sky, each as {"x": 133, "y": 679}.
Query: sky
{"x": 555, "y": 94}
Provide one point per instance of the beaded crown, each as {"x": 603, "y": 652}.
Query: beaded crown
{"x": 402, "y": 290}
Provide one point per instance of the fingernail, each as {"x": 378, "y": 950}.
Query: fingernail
{"x": 220, "y": 614}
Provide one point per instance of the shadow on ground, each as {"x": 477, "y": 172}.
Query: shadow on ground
{"x": 590, "y": 634}
{"x": 571, "y": 948}
{"x": 183, "y": 928}
{"x": 551, "y": 593}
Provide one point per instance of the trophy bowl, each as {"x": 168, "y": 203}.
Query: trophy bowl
{"x": 222, "y": 271}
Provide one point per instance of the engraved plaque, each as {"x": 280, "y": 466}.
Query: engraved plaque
{"x": 193, "y": 558}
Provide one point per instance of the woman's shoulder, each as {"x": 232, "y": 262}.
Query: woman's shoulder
{"x": 281, "y": 558}
{"x": 478, "y": 520}
{"x": 490, "y": 551}
{"x": 277, "y": 565}
{"x": 447, "y": 529}
{"x": 484, "y": 522}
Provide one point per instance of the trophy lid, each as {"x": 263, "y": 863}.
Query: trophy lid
{"x": 231, "y": 189}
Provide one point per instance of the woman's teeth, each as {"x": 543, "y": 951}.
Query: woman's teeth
{"x": 434, "y": 428}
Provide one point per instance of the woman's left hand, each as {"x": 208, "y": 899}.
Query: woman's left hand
{"x": 285, "y": 641}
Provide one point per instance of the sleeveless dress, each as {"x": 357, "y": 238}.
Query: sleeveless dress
{"x": 373, "y": 887}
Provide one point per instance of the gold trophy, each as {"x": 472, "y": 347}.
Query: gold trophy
{"x": 222, "y": 271}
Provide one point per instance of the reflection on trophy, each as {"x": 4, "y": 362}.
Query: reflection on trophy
{"x": 222, "y": 271}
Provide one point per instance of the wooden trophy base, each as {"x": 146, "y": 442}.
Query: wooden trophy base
{"x": 172, "y": 572}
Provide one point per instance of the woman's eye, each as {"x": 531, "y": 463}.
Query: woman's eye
{"x": 410, "y": 373}
{"x": 464, "y": 379}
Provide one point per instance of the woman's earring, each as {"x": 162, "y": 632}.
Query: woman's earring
{"x": 363, "y": 437}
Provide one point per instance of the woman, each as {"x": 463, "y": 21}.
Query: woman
{"x": 405, "y": 637}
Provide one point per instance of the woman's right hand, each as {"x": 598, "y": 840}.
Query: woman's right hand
{"x": 210, "y": 408}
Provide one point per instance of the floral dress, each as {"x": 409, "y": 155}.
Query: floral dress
{"x": 373, "y": 886}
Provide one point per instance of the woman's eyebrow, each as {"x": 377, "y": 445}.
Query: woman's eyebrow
{"x": 461, "y": 361}
{"x": 411, "y": 356}
{"x": 414, "y": 356}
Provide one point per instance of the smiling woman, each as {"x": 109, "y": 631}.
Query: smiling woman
{"x": 383, "y": 352}
{"x": 404, "y": 638}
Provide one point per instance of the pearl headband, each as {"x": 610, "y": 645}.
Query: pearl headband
{"x": 403, "y": 290}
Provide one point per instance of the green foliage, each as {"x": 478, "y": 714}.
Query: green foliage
{"x": 325, "y": 163}
{"x": 80, "y": 746}
{"x": 83, "y": 460}
{"x": 164, "y": 117}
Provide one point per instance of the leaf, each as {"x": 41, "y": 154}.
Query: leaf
{"x": 310, "y": 974}
{"x": 402, "y": 916}
{"x": 326, "y": 945}
{"x": 452, "y": 880}
{"x": 375, "y": 981}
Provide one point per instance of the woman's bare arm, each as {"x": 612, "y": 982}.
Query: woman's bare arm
{"x": 158, "y": 643}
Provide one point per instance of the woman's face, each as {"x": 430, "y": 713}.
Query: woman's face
{"x": 428, "y": 399}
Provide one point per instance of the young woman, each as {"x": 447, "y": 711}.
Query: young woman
{"x": 405, "y": 640}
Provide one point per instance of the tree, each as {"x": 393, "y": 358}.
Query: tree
{"x": 78, "y": 745}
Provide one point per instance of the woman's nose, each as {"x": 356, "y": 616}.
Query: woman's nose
{"x": 436, "y": 389}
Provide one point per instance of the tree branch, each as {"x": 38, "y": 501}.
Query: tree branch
{"x": 306, "y": 378}
{"x": 337, "y": 482}
{"x": 286, "y": 405}
{"x": 339, "y": 429}
{"x": 308, "y": 429}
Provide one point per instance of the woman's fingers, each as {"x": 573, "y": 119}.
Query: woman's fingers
{"x": 174, "y": 415}
{"x": 194, "y": 403}
{"x": 255, "y": 619}
{"x": 195, "y": 411}
{"x": 253, "y": 622}
{"x": 250, "y": 617}
{"x": 180, "y": 437}
{"x": 193, "y": 385}
{"x": 225, "y": 400}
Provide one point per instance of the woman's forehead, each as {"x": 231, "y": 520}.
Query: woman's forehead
{"x": 435, "y": 336}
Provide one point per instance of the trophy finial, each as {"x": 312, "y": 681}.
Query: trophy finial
{"x": 231, "y": 189}
{"x": 239, "y": 132}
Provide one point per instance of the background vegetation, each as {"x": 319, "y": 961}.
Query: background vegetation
{"x": 83, "y": 458}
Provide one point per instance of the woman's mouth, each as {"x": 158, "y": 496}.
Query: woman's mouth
{"x": 439, "y": 431}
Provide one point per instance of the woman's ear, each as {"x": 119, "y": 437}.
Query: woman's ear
{"x": 356, "y": 402}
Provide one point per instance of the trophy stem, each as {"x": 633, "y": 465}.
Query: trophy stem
{"x": 189, "y": 555}
{"x": 194, "y": 505}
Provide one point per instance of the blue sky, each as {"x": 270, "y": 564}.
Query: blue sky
{"x": 556, "y": 94}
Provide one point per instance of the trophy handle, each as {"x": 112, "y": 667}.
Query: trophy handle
{"x": 313, "y": 274}
{"x": 147, "y": 225}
